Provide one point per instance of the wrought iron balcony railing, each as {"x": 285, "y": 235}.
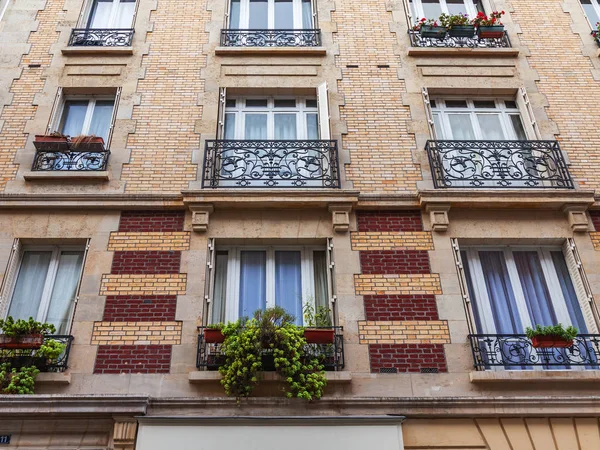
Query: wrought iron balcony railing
{"x": 211, "y": 357}
{"x": 416, "y": 40}
{"x": 515, "y": 352}
{"x": 498, "y": 164}
{"x": 70, "y": 160}
{"x": 282, "y": 164}
{"x": 25, "y": 357}
{"x": 97, "y": 37}
{"x": 270, "y": 38}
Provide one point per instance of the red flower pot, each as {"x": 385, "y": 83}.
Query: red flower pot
{"x": 550, "y": 341}
{"x": 25, "y": 341}
{"x": 490, "y": 32}
{"x": 51, "y": 143}
{"x": 91, "y": 143}
{"x": 319, "y": 336}
{"x": 212, "y": 336}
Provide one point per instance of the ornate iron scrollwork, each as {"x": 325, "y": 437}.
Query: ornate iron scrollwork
{"x": 70, "y": 161}
{"x": 416, "y": 40}
{"x": 96, "y": 37}
{"x": 270, "y": 38}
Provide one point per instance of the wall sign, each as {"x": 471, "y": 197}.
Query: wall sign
{"x": 5, "y": 439}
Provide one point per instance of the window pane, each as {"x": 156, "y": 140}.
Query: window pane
{"x": 431, "y": 9}
{"x": 285, "y": 103}
{"x": 258, "y": 15}
{"x": 100, "y": 14}
{"x": 256, "y": 103}
{"x": 229, "y": 128}
{"x": 461, "y": 127}
{"x": 285, "y": 126}
{"x": 510, "y": 104}
{"x": 312, "y": 126}
{"x": 125, "y": 14}
{"x": 220, "y": 288}
{"x": 284, "y": 14}
{"x": 491, "y": 129}
{"x": 456, "y": 6}
{"x": 590, "y": 12}
{"x": 101, "y": 118}
{"x": 253, "y": 292}
{"x": 320, "y": 275}
{"x": 518, "y": 129}
{"x": 29, "y": 287}
{"x": 234, "y": 15}
{"x": 307, "y": 15}
{"x": 63, "y": 292}
{"x": 491, "y": 104}
{"x": 288, "y": 283}
{"x": 311, "y": 103}
{"x": 73, "y": 117}
{"x": 255, "y": 126}
{"x": 437, "y": 125}
{"x": 456, "y": 103}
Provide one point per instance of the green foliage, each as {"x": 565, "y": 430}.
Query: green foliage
{"x": 51, "y": 349}
{"x": 20, "y": 327}
{"x": 13, "y": 381}
{"x": 215, "y": 326}
{"x": 269, "y": 331}
{"x": 559, "y": 331}
{"x": 319, "y": 318}
{"x": 454, "y": 20}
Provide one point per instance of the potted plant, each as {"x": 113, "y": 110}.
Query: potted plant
{"x": 458, "y": 25}
{"x": 429, "y": 28}
{"x": 596, "y": 33}
{"x": 88, "y": 142}
{"x": 489, "y": 27}
{"x": 51, "y": 142}
{"x": 319, "y": 327}
{"x": 551, "y": 336}
{"x": 17, "y": 381}
{"x": 213, "y": 334}
{"x": 23, "y": 334}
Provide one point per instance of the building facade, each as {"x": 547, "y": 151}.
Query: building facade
{"x": 436, "y": 193}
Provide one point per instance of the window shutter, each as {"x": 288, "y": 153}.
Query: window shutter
{"x": 429, "y": 114}
{"x": 113, "y": 118}
{"x": 582, "y": 286}
{"x": 221, "y": 113}
{"x": 78, "y": 288}
{"x": 529, "y": 119}
{"x": 464, "y": 290}
{"x": 56, "y": 109}
{"x": 323, "y": 106}
{"x": 313, "y": 5}
{"x": 135, "y": 11}
{"x": 10, "y": 276}
{"x": 227, "y": 12}
{"x": 209, "y": 282}
{"x": 331, "y": 281}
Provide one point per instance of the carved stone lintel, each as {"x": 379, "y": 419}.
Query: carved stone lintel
{"x": 438, "y": 216}
{"x": 124, "y": 433}
{"x": 200, "y": 217}
{"x": 340, "y": 217}
{"x": 577, "y": 217}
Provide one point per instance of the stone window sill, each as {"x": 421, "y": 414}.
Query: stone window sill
{"x": 535, "y": 376}
{"x": 114, "y": 51}
{"x": 463, "y": 52}
{"x": 208, "y": 376}
{"x": 101, "y": 175}
{"x": 279, "y": 51}
{"x": 56, "y": 378}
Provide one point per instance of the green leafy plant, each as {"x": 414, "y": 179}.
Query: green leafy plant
{"x": 21, "y": 381}
{"x": 216, "y": 326}
{"x": 321, "y": 317}
{"x": 567, "y": 334}
{"x": 454, "y": 20}
{"x": 51, "y": 349}
{"x": 11, "y": 327}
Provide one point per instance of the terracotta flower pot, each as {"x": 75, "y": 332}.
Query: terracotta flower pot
{"x": 25, "y": 341}
{"x": 88, "y": 143}
{"x": 319, "y": 336}
{"x": 550, "y": 341}
{"x": 51, "y": 143}
{"x": 491, "y": 32}
{"x": 213, "y": 336}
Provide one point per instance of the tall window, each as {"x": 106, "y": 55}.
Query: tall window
{"x": 271, "y": 118}
{"x": 46, "y": 285}
{"x": 87, "y": 116}
{"x": 432, "y": 9}
{"x": 271, "y": 14}
{"x": 592, "y": 11}
{"x": 111, "y": 14}
{"x": 251, "y": 278}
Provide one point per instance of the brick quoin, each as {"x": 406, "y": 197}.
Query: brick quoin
{"x": 595, "y": 215}
{"x": 394, "y": 261}
{"x": 407, "y": 358}
{"x": 146, "y": 262}
{"x": 151, "y": 221}
{"x": 129, "y": 308}
{"x": 400, "y": 307}
{"x": 133, "y": 359}
{"x": 389, "y": 221}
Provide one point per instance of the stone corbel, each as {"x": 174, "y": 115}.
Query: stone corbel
{"x": 124, "y": 432}
{"x": 438, "y": 216}
{"x": 340, "y": 217}
{"x": 577, "y": 217}
{"x": 200, "y": 217}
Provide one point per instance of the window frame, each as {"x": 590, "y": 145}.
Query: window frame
{"x": 91, "y": 99}
{"x": 86, "y": 15}
{"x": 596, "y": 6}
{"x": 416, "y": 7}
{"x": 297, "y": 15}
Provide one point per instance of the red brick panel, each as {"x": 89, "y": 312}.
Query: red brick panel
{"x": 595, "y": 215}
{"x": 133, "y": 359}
{"x": 129, "y": 308}
{"x": 149, "y": 262}
{"x": 400, "y": 307}
{"x": 151, "y": 221}
{"x": 411, "y": 358}
{"x": 394, "y": 261}
{"x": 389, "y": 221}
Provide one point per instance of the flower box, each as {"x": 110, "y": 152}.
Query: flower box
{"x": 319, "y": 336}
{"x": 464, "y": 31}
{"x": 213, "y": 336}
{"x": 30, "y": 341}
{"x": 88, "y": 143}
{"x": 491, "y": 32}
{"x": 51, "y": 143}
{"x": 429, "y": 31}
{"x": 548, "y": 341}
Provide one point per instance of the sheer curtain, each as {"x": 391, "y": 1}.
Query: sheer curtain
{"x": 253, "y": 290}
{"x": 125, "y": 14}
{"x": 320, "y": 275}
{"x": 284, "y": 15}
{"x": 288, "y": 282}
{"x": 307, "y": 15}
{"x": 63, "y": 292}
{"x": 100, "y": 15}
{"x": 285, "y": 126}
{"x": 220, "y": 288}
{"x": 101, "y": 117}
{"x": 73, "y": 117}
{"x": 234, "y": 15}
{"x": 258, "y": 15}
{"x": 29, "y": 287}
{"x": 256, "y": 126}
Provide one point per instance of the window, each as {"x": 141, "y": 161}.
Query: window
{"x": 432, "y": 9}
{"x": 86, "y": 116}
{"x": 276, "y": 118}
{"x": 251, "y": 278}
{"x": 592, "y": 11}
{"x": 112, "y": 14}
{"x": 46, "y": 285}
{"x": 477, "y": 119}
{"x": 271, "y": 14}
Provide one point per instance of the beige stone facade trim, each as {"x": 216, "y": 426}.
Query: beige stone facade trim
{"x": 407, "y": 240}
{"x": 155, "y": 241}
{"x": 404, "y": 332}
{"x": 159, "y": 284}
{"x": 376, "y": 284}
{"x": 136, "y": 333}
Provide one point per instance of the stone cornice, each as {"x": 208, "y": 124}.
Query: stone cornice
{"x": 81, "y": 405}
{"x": 87, "y": 201}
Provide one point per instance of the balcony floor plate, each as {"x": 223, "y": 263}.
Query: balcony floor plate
{"x": 212, "y": 376}
{"x": 535, "y": 376}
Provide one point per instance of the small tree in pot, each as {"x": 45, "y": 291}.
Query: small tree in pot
{"x": 551, "y": 336}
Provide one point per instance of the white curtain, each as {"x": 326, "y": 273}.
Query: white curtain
{"x": 285, "y": 126}
{"x": 62, "y": 300}
{"x": 29, "y": 287}
{"x": 491, "y": 129}
{"x": 234, "y": 15}
{"x": 100, "y": 15}
{"x": 284, "y": 15}
{"x": 73, "y": 117}
{"x": 288, "y": 282}
{"x": 101, "y": 118}
{"x": 125, "y": 13}
{"x": 258, "y": 15}
{"x": 220, "y": 288}
{"x": 307, "y": 15}
{"x": 256, "y": 126}
{"x": 312, "y": 126}
{"x": 461, "y": 126}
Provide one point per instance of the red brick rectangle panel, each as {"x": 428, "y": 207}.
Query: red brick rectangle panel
{"x": 595, "y": 215}
{"x": 401, "y": 307}
{"x": 391, "y": 221}
{"x": 394, "y": 261}
{"x": 146, "y": 262}
{"x": 407, "y": 358}
{"x": 133, "y": 359}
{"x": 128, "y": 308}
{"x": 151, "y": 221}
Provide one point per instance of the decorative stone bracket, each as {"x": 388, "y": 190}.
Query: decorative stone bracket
{"x": 577, "y": 217}
{"x": 438, "y": 216}
{"x": 340, "y": 217}
{"x": 200, "y": 217}
{"x": 124, "y": 433}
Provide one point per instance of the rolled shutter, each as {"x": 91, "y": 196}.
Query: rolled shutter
{"x": 429, "y": 114}
{"x": 114, "y": 117}
{"x": 78, "y": 288}
{"x": 209, "y": 282}
{"x": 221, "y": 113}
{"x": 57, "y": 107}
{"x": 331, "y": 281}
{"x": 10, "y": 276}
{"x": 464, "y": 290}
{"x": 323, "y": 106}
{"x": 315, "y": 18}
{"x": 530, "y": 123}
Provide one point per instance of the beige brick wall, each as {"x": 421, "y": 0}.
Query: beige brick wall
{"x": 375, "y": 284}
{"x": 136, "y": 333}
{"x": 159, "y": 284}
{"x": 159, "y": 241}
{"x": 409, "y": 240}
{"x": 404, "y": 332}
{"x": 595, "y": 236}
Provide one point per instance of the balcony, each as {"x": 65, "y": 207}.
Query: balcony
{"x": 97, "y": 37}
{"x": 270, "y": 38}
{"x": 281, "y": 164}
{"x": 210, "y": 356}
{"x": 515, "y": 352}
{"x": 498, "y": 164}
{"x": 448, "y": 41}
{"x": 26, "y": 357}
{"x": 61, "y": 153}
